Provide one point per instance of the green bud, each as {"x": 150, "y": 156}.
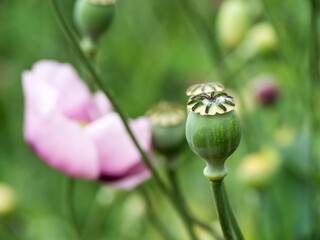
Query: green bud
{"x": 168, "y": 122}
{"x": 260, "y": 40}
{"x": 7, "y": 199}
{"x": 213, "y": 131}
{"x": 233, "y": 22}
{"x": 258, "y": 170}
{"x": 93, "y": 17}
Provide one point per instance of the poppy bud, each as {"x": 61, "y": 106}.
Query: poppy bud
{"x": 233, "y": 22}
{"x": 265, "y": 90}
{"x": 7, "y": 199}
{"x": 260, "y": 40}
{"x": 93, "y": 17}
{"x": 259, "y": 169}
{"x": 168, "y": 122}
{"x": 213, "y": 130}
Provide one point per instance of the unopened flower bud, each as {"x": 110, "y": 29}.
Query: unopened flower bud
{"x": 168, "y": 122}
{"x": 258, "y": 169}
{"x": 213, "y": 130}
{"x": 93, "y": 17}
{"x": 7, "y": 199}
{"x": 265, "y": 90}
{"x": 233, "y": 22}
{"x": 260, "y": 40}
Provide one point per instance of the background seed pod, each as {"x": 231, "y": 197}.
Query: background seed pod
{"x": 93, "y": 19}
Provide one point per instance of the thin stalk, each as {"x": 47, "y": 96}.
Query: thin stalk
{"x": 160, "y": 226}
{"x": 97, "y": 79}
{"x": 221, "y": 209}
{"x": 313, "y": 90}
{"x": 234, "y": 223}
{"x": 314, "y": 48}
{"x": 172, "y": 176}
{"x": 203, "y": 28}
{"x": 182, "y": 205}
{"x": 69, "y": 208}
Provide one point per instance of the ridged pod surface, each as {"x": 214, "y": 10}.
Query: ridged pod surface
{"x": 214, "y": 137}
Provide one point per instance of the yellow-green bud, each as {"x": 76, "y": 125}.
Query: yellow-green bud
{"x": 233, "y": 22}
{"x": 260, "y": 40}
{"x": 7, "y": 199}
{"x": 258, "y": 169}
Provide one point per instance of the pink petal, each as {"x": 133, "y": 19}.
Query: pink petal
{"x": 101, "y": 107}
{"x": 117, "y": 152}
{"x": 130, "y": 182}
{"x": 74, "y": 98}
{"x": 61, "y": 142}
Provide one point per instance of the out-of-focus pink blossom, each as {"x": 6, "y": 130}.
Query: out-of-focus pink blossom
{"x": 265, "y": 89}
{"x": 75, "y": 131}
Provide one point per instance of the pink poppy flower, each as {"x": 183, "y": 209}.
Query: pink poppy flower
{"x": 75, "y": 131}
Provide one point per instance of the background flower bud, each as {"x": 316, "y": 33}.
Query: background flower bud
{"x": 7, "y": 199}
{"x": 265, "y": 89}
{"x": 258, "y": 169}
{"x": 168, "y": 122}
{"x": 233, "y": 22}
{"x": 261, "y": 39}
{"x": 92, "y": 17}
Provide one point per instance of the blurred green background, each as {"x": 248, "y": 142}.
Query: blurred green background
{"x": 151, "y": 53}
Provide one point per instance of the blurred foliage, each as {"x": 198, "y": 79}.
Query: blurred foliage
{"x": 152, "y": 53}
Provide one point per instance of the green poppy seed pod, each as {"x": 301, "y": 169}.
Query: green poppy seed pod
{"x": 213, "y": 130}
{"x": 93, "y": 17}
{"x": 168, "y": 122}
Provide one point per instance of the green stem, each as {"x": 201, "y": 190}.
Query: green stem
{"x": 97, "y": 79}
{"x": 69, "y": 209}
{"x": 312, "y": 92}
{"x": 162, "y": 228}
{"x": 234, "y": 223}
{"x": 182, "y": 205}
{"x": 172, "y": 176}
{"x": 314, "y": 48}
{"x": 203, "y": 28}
{"x": 221, "y": 209}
